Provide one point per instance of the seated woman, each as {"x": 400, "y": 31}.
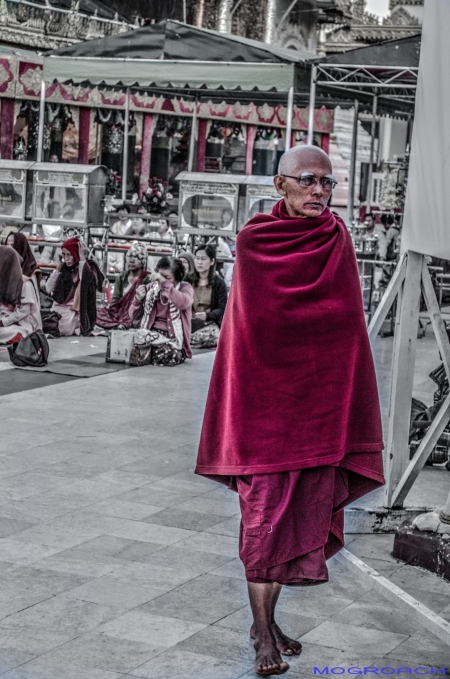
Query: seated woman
{"x": 73, "y": 285}
{"x": 19, "y": 303}
{"x": 30, "y": 269}
{"x": 164, "y": 306}
{"x": 210, "y": 298}
{"x": 116, "y": 315}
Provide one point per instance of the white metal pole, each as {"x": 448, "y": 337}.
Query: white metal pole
{"x": 126, "y": 131}
{"x": 193, "y": 136}
{"x": 312, "y": 104}
{"x": 351, "y": 180}
{"x": 40, "y": 148}
{"x": 289, "y": 114}
{"x": 372, "y": 149}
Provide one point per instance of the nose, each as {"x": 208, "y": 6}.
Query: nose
{"x": 318, "y": 189}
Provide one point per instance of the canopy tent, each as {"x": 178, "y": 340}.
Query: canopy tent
{"x": 383, "y": 76}
{"x": 171, "y": 54}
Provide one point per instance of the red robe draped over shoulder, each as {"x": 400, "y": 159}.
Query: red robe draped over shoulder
{"x": 293, "y": 384}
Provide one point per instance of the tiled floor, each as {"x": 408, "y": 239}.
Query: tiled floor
{"x": 116, "y": 561}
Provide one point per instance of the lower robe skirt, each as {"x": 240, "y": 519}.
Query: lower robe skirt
{"x": 292, "y": 522}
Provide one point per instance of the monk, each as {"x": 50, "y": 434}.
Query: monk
{"x": 292, "y": 420}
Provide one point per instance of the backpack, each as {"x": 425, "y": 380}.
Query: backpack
{"x": 32, "y": 350}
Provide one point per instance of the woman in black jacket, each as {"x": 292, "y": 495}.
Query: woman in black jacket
{"x": 210, "y": 298}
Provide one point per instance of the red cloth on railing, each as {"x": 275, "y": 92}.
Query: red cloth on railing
{"x": 293, "y": 384}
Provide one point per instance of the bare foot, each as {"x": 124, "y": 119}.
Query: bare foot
{"x": 285, "y": 645}
{"x": 268, "y": 661}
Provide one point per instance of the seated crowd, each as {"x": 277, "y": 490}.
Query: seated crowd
{"x": 180, "y": 303}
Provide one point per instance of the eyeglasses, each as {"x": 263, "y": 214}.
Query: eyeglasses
{"x": 307, "y": 179}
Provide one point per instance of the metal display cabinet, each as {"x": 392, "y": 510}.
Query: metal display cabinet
{"x": 261, "y": 195}
{"x": 69, "y": 195}
{"x": 209, "y": 203}
{"x": 15, "y": 190}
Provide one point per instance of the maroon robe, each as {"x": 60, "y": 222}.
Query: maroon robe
{"x": 117, "y": 313}
{"x": 293, "y": 388}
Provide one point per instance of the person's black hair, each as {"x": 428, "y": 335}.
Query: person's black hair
{"x": 387, "y": 220}
{"x": 211, "y": 252}
{"x": 175, "y": 266}
{"x": 370, "y": 214}
{"x": 123, "y": 207}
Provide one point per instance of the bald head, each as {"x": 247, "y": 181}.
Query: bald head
{"x": 300, "y": 200}
{"x": 299, "y": 158}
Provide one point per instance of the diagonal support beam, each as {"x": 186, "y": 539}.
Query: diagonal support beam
{"x": 415, "y": 466}
{"x": 389, "y": 296}
{"x": 436, "y": 318}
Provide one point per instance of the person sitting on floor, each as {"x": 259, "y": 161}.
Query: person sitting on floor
{"x": 73, "y": 285}
{"x": 116, "y": 315}
{"x": 122, "y": 227}
{"x": 187, "y": 259}
{"x": 164, "y": 306}
{"x": 19, "y": 302}
{"x": 30, "y": 269}
{"x": 210, "y": 298}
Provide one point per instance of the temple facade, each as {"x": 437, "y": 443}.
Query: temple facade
{"x": 363, "y": 28}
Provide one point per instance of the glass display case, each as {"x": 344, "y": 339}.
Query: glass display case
{"x": 15, "y": 190}
{"x": 209, "y": 203}
{"x": 261, "y": 195}
{"x": 72, "y": 195}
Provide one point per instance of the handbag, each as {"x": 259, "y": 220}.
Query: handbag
{"x": 141, "y": 348}
{"x": 32, "y": 350}
{"x": 50, "y": 322}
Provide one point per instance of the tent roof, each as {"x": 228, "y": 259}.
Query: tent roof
{"x": 174, "y": 41}
{"x": 176, "y": 55}
{"x": 388, "y": 69}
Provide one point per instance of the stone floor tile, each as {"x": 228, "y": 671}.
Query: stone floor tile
{"x": 139, "y": 551}
{"x": 39, "y": 582}
{"x": 61, "y": 613}
{"x": 153, "y": 496}
{"x": 228, "y": 527}
{"x": 9, "y": 658}
{"x": 175, "y": 664}
{"x": 107, "y": 545}
{"x": 232, "y": 569}
{"x": 164, "y": 535}
{"x": 126, "y": 477}
{"x": 34, "y": 640}
{"x": 106, "y": 591}
{"x": 353, "y": 638}
{"x": 309, "y": 605}
{"x": 315, "y": 656}
{"x": 292, "y": 625}
{"x": 380, "y": 614}
{"x": 145, "y": 627}
{"x": 213, "y": 544}
{"x": 386, "y": 568}
{"x": 91, "y": 565}
{"x": 95, "y": 651}
{"x": 220, "y": 642}
{"x": 43, "y": 508}
{"x": 124, "y": 510}
{"x": 181, "y": 518}
{"x": 422, "y": 647}
{"x": 12, "y": 526}
{"x": 208, "y": 505}
{"x": 374, "y": 546}
{"x": 39, "y": 669}
{"x": 207, "y": 599}
{"x": 49, "y": 535}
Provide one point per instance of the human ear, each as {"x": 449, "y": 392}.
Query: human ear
{"x": 279, "y": 182}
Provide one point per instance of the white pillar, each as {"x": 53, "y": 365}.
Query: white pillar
{"x": 224, "y": 21}
{"x": 40, "y": 148}
{"x": 126, "y": 130}
{"x": 269, "y": 27}
{"x": 289, "y": 114}
{"x": 312, "y": 104}
{"x": 372, "y": 148}
{"x": 385, "y": 153}
{"x": 352, "y": 174}
{"x": 193, "y": 137}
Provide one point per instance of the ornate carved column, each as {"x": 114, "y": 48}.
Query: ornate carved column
{"x": 7, "y": 129}
{"x": 201, "y": 144}
{"x": 224, "y": 20}
{"x": 84, "y": 128}
{"x": 199, "y": 13}
{"x": 147, "y": 135}
{"x": 251, "y": 134}
{"x": 270, "y": 26}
